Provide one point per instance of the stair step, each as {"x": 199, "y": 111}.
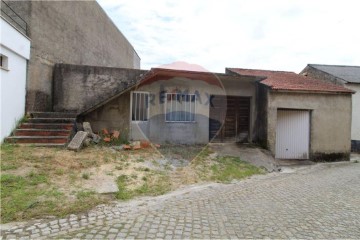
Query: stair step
{"x": 65, "y": 126}
{"x": 59, "y": 145}
{"x": 37, "y": 139}
{"x": 53, "y": 114}
{"x": 41, "y": 132}
{"x": 51, "y": 120}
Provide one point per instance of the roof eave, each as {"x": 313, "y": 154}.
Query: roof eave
{"x": 310, "y": 91}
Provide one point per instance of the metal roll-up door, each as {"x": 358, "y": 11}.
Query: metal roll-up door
{"x": 292, "y": 134}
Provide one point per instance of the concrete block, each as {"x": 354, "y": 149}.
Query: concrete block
{"x": 87, "y": 127}
{"x": 78, "y": 141}
{"x": 87, "y": 142}
{"x": 96, "y": 138}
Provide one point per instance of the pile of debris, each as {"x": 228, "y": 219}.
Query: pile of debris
{"x": 83, "y": 138}
{"x": 87, "y": 137}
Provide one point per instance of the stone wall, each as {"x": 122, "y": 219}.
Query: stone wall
{"x": 73, "y": 32}
{"x": 81, "y": 88}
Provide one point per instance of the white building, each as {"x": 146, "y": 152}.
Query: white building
{"x": 15, "y": 52}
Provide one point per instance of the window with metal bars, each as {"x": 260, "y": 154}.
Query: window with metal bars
{"x": 180, "y": 107}
{"x": 140, "y": 106}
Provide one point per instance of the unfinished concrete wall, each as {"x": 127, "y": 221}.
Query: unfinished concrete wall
{"x": 330, "y": 127}
{"x": 74, "y": 32}
{"x": 115, "y": 115}
{"x": 79, "y": 88}
{"x": 318, "y": 74}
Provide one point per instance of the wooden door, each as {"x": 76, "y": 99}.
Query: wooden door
{"x": 229, "y": 119}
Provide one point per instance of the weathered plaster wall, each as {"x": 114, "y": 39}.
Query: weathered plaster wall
{"x": 158, "y": 130}
{"x": 330, "y": 122}
{"x": 114, "y": 115}
{"x": 318, "y": 74}
{"x": 355, "y": 124}
{"x": 79, "y": 88}
{"x": 74, "y": 32}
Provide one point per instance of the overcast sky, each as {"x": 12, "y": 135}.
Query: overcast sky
{"x": 267, "y": 34}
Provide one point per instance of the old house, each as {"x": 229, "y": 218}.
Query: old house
{"x": 292, "y": 115}
{"x": 348, "y": 76}
{"x": 301, "y": 117}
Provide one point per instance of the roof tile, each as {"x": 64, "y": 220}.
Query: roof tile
{"x": 290, "y": 81}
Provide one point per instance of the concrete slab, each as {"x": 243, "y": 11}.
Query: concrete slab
{"x": 87, "y": 127}
{"x": 78, "y": 141}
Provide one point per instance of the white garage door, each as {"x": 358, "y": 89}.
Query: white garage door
{"x": 292, "y": 134}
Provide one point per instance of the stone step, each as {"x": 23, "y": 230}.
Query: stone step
{"x": 53, "y": 114}
{"x": 66, "y": 126}
{"x": 57, "y": 145}
{"x": 51, "y": 120}
{"x": 37, "y": 139}
{"x": 41, "y": 132}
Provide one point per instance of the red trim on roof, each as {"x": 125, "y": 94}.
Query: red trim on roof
{"x": 290, "y": 81}
{"x": 157, "y": 74}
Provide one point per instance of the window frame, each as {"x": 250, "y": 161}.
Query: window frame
{"x": 131, "y": 106}
{"x": 194, "y": 111}
{"x": 4, "y": 62}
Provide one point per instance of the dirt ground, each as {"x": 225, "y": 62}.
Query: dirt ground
{"x": 59, "y": 180}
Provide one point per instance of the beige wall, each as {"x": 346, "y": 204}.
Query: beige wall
{"x": 330, "y": 120}
{"x": 355, "y": 124}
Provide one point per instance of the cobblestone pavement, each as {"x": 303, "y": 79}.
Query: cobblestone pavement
{"x": 319, "y": 201}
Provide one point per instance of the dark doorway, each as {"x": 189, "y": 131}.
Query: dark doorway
{"x": 229, "y": 119}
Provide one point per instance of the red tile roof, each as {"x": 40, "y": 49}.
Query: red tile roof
{"x": 290, "y": 81}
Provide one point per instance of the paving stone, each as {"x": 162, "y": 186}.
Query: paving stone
{"x": 316, "y": 202}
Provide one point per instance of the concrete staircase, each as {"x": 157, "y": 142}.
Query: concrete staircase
{"x": 48, "y": 129}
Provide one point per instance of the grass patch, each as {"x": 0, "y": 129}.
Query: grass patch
{"x": 154, "y": 184}
{"x": 187, "y": 152}
{"x": 228, "y": 168}
{"x": 30, "y": 197}
{"x": 85, "y": 176}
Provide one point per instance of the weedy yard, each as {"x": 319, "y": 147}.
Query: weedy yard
{"x": 41, "y": 182}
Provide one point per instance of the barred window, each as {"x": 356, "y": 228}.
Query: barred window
{"x": 140, "y": 106}
{"x": 3, "y": 62}
{"x": 180, "y": 107}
